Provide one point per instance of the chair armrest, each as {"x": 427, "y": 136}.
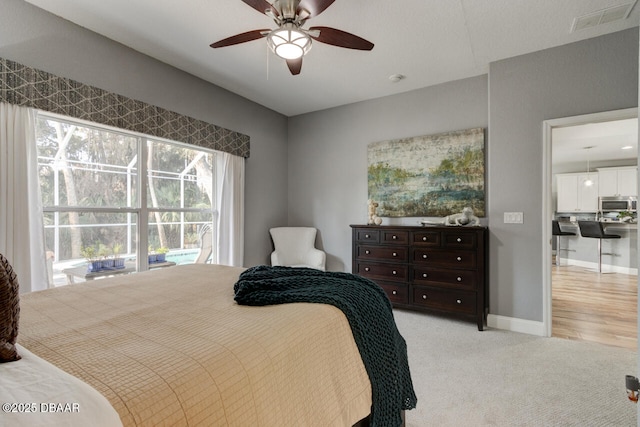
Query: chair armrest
{"x": 275, "y": 259}
{"x": 316, "y": 258}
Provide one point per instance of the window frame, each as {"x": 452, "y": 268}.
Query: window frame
{"x": 142, "y": 210}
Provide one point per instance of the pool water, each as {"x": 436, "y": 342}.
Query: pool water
{"x": 182, "y": 256}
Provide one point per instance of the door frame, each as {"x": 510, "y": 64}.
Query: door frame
{"x": 547, "y": 202}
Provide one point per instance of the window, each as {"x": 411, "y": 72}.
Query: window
{"x": 101, "y": 201}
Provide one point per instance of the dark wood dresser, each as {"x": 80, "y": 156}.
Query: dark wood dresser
{"x": 434, "y": 269}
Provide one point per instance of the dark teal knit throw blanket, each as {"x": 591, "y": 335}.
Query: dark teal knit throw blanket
{"x": 368, "y": 310}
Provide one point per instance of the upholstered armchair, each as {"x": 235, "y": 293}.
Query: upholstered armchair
{"x": 295, "y": 247}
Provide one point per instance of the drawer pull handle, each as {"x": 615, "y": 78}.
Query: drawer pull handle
{"x": 458, "y": 240}
{"x": 366, "y": 269}
{"x": 394, "y": 237}
{"x": 424, "y": 256}
{"x": 424, "y": 275}
{"x": 367, "y": 252}
{"x": 424, "y": 297}
{"x": 366, "y": 236}
{"x": 394, "y": 272}
{"x": 394, "y": 292}
{"x": 459, "y": 279}
{"x": 395, "y": 254}
{"x": 459, "y": 259}
{"x": 424, "y": 239}
{"x": 459, "y": 301}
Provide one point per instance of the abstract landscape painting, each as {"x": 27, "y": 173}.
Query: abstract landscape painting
{"x": 428, "y": 176}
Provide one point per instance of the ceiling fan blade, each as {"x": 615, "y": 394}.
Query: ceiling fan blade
{"x": 260, "y": 5}
{"x": 314, "y": 7}
{"x": 240, "y": 38}
{"x": 341, "y": 38}
{"x": 295, "y": 65}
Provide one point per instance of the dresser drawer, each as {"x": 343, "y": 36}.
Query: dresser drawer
{"x": 426, "y": 238}
{"x": 457, "y": 239}
{"x": 367, "y": 235}
{"x": 385, "y": 253}
{"x": 445, "y": 258}
{"x": 397, "y": 293}
{"x": 423, "y": 275}
{"x": 384, "y": 271}
{"x": 394, "y": 237}
{"x": 446, "y": 300}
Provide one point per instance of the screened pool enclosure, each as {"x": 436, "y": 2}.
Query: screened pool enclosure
{"x": 113, "y": 194}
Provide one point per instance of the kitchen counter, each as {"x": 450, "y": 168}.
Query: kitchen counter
{"x": 583, "y": 251}
{"x": 619, "y": 224}
{"x": 607, "y": 224}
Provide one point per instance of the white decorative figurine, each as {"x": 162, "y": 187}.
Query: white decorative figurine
{"x": 373, "y": 218}
{"x": 466, "y": 217}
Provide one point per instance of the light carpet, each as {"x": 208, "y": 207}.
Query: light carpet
{"x": 464, "y": 377}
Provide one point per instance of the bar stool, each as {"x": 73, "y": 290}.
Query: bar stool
{"x": 595, "y": 230}
{"x": 556, "y": 231}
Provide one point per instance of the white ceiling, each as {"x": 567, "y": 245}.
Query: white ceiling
{"x": 605, "y": 141}
{"x": 429, "y": 41}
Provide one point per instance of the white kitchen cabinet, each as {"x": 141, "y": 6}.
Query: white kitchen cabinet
{"x": 621, "y": 181}
{"x": 574, "y": 195}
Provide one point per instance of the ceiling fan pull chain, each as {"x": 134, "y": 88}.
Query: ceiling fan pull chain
{"x": 267, "y": 50}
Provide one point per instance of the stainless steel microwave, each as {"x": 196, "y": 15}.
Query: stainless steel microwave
{"x": 618, "y": 203}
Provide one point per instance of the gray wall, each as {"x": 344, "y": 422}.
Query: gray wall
{"x": 41, "y": 40}
{"x": 327, "y": 150}
{"x": 594, "y": 75}
{"x": 328, "y": 154}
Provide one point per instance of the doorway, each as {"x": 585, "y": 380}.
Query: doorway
{"x": 549, "y": 203}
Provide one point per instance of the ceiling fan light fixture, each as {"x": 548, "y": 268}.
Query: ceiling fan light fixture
{"x": 288, "y": 42}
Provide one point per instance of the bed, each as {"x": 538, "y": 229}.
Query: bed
{"x": 172, "y": 347}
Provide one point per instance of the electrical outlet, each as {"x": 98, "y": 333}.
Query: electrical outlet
{"x": 513, "y": 218}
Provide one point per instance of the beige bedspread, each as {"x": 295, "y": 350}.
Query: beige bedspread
{"x": 171, "y": 347}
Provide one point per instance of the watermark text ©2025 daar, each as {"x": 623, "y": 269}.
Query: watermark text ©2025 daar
{"x": 42, "y": 407}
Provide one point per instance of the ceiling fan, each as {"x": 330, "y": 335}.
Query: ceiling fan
{"x": 290, "y": 41}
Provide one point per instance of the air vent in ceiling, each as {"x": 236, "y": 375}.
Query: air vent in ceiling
{"x": 604, "y": 16}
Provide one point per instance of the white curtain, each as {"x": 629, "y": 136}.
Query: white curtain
{"x": 21, "y": 224}
{"x": 230, "y": 195}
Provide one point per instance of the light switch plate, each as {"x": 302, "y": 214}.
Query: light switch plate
{"x": 513, "y": 218}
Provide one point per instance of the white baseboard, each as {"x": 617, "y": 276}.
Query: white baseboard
{"x": 606, "y": 268}
{"x": 514, "y": 324}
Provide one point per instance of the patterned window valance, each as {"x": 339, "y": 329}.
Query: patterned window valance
{"x": 21, "y": 85}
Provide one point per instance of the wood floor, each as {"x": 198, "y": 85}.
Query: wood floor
{"x": 594, "y": 307}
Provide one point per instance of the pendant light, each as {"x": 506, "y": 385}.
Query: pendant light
{"x": 588, "y": 182}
